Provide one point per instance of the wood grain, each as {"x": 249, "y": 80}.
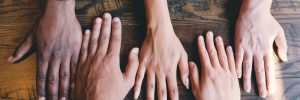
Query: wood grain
{"x": 189, "y": 17}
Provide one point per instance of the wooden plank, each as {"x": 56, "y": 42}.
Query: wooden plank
{"x": 190, "y": 18}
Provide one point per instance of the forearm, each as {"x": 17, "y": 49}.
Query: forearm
{"x": 60, "y": 6}
{"x": 254, "y": 6}
{"x": 157, "y": 14}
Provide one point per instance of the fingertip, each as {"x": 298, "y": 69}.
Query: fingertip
{"x": 219, "y": 39}
{"x": 263, "y": 93}
{"x": 191, "y": 64}
{"x": 136, "y": 94}
{"x": 10, "y": 59}
{"x": 106, "y": 15}
{"x": 283, "y": 56}
{"x": 200, "y": 38}
{"x": 87, "y": 32}
{"x": 247, "y": 88}
{"x": 135, "y": 51}
{"x": 209, "y": 34}
{"x": 98, "y": 20}
{"x": 187, "y": 82}
{"x": 116, "y": 19}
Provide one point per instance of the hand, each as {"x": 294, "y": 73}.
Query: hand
{"x": 99, "y": 76}
{"x": 218, "y": 79}
{"x": 56, "y": 40}
{"x": 160, "y": 54}
{"x": 256, "y": 30}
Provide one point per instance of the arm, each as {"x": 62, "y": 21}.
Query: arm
{"x": 256, "y": 31}
{"x": 56, "y": 39}
{"x": 160, "y": 54}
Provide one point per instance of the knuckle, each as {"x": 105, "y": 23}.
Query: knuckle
{"x": 173, "y": 92}
{"x": 259, "y": 70}
{"x": 41, "y": 93}
{"x": 248, "y": 67}
{"x": 52, "y": 80}
{"x": 41, "y": 77}
{"x": 53, "y": 96}
{"x": 151, "y": 86}
{"x": 64, "y": 92}
{"x": 93, "y": 42}
{"x": 64, "y": 75}
{"x": 116, "y": 38}
{"x": 210, "y": 51}
{"x": 162, "y": 92}
{"x": 104, "y": 37}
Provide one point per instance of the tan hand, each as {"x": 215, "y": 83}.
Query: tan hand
{"x": 99, "y": 76}
{"x": 218, "y": 79}
{"x": 56, "y": 40}
{"x": 160, "y": 54}
{"x": 256, "y": 31}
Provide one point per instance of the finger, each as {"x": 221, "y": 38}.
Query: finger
{"x": 211, "y": 49}
{"x": 239, "y": 54}
{"x": 132, "y": 66}
{"x": 53, "y": 79}
{"x": 282, "y": 45}
{"x": 260, "y": 75}
{"x": 94, "y": 36}
{"x": 230, "y": 58}
{"x": 184, "y": 69}
{"x": 194, "y": 77}
{"x": 23, "y": 49}
{"x": 247, "y": 68}
{"x": 73, "y": 67}
{"x": 84, "y": 46}
{"x": 221, "y": 53}
{"x": 42, "y": 67}
{"x": 64, "y": 80}
{"x": 270, "y": 73}
{"x": 205, "y": 62}
{"x": 139, "y": 80}
{"x": 105, "y": 34}
{"x": 115, "y": 40}
{"x": 161, "y": 87}
{"x": 172, "y": 86}
{"x": 150, "y": 85}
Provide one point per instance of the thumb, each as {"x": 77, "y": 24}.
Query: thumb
{"x": 281, "y": 45}
{"x": 132, "y": 66}
{"x": 23, "y": 49}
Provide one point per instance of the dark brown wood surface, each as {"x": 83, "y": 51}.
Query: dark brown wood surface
{"x": 189, "y": 17}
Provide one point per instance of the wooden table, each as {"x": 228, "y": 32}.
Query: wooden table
{"x": 189, "y": 17}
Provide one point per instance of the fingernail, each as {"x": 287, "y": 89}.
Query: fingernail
{"x": 136, "y": 95}
{"x": 106, "y": 15}
{"x": 209, "y": 33}
{"x": 187, "y": 83}
{"x": 239, "y": 75}
{"x": 262, "y": 94}
{"x": 285, "y": 58}
{"x": 219, "y": 39}
{"x": 247, "y": 88}
{"x": 98, "y": 20}
{"x": 10, "y": 59}
{"x": 116, "y": 19}
{"x": 136, "y": 51}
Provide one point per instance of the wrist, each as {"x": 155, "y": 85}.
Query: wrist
{"x": 158, "y": 17}
{"x": 60, "y": 5}
{"x": 256, "y": 6}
